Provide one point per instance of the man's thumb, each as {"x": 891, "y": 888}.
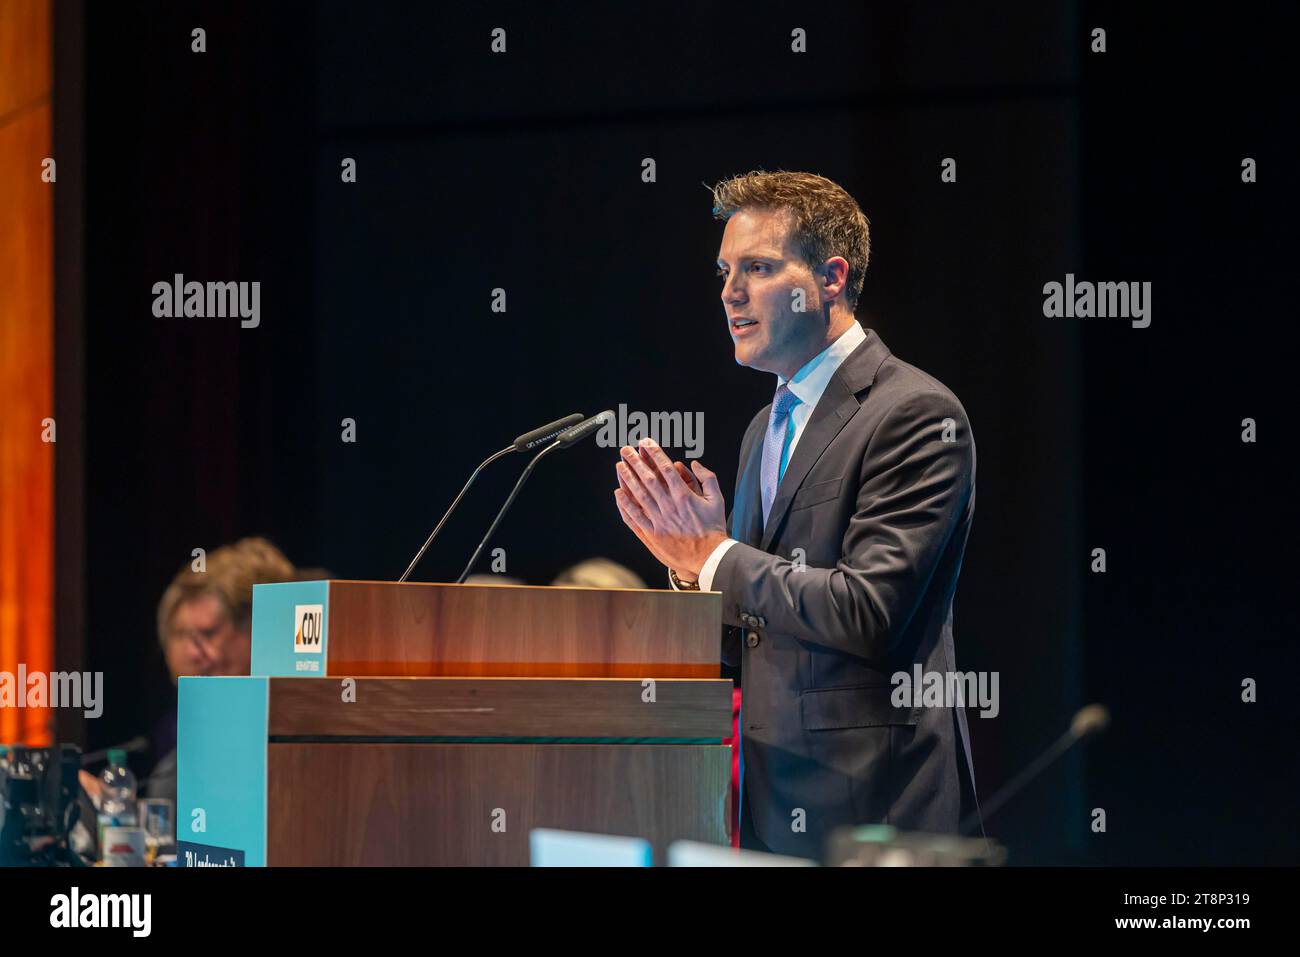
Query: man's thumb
{"x": 708, "y": 480}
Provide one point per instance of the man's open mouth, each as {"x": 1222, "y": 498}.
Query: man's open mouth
{"x": 742, "y": 323}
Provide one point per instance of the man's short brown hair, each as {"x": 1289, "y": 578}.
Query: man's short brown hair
{"x": 827, "y": 220}
{"x": 230, "y": 574}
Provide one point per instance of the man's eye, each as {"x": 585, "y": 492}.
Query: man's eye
{"x": 758, "y": 266}
{"x": 722, "y": 273}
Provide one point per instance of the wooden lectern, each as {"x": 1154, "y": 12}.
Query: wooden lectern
{"x": 438, "y": 724}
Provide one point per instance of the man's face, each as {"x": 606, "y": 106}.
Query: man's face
{"x": 202, "y": 640}
{"x": 760, "y": 270}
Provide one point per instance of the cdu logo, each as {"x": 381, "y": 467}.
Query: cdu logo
{"x": 307, "y": 629}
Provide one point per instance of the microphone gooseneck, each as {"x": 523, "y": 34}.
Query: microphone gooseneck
{"x": 523, "y": 443}
{"x": 564, "y": 440}
{"x": 447, "y": 514}
{"x": 1088, "y": 721}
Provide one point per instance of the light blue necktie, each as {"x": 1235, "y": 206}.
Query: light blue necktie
{"x": 774, "y": 446}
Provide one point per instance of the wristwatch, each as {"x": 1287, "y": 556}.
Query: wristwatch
{"x": 681, "y": 585}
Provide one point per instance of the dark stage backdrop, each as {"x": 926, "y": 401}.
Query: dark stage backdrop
{"x": 523, "y": 172}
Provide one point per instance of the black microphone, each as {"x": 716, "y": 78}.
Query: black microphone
{"x": 583, "y": 430}
{"x": 565, "y": 439}
{"x": 539, "y": 437}
{"x": 524, "y": 443}
{"x": 1090, "y": 720}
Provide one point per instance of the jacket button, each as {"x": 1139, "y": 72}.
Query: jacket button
{"x": 747, "y": 620}
{"x": 751, "y": 639}
{"x": 761, "y": 622}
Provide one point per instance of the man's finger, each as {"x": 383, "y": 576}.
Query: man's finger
{"x": 646, "y": 538}
{"x": 637, "y": 518}
{"x": 622, "y": 500}
{"x": 635, "y": 521}
{"x": 642, "y": 453}
{"x": 637, "y": 491}
{"x": 631, "y": 512}
{"x": 663, "y": 465}
{"x": 708, "y": 481}
{"x": 689, "y": 478}
{"x": 650, "y": 480}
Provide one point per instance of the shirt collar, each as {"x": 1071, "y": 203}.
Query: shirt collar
{"x": 810, "y": 382}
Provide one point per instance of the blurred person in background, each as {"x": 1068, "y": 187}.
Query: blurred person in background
{"x": 314, "y": 575}
{"x": 491, "y": 578}
{"x": 600, "y": 573}
{"x": 205, "y": 624}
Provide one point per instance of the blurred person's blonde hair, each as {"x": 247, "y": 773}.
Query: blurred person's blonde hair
{"x": 492, "y": 578}
{"x": 231, "y": 572}
{"x": 600, "y": 573}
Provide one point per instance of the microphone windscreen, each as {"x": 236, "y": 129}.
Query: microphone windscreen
{"x": 586, "y": 429}
{"x": 546, "y": 433}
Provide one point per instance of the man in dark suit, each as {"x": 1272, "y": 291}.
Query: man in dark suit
{"x": 839, "y": 561}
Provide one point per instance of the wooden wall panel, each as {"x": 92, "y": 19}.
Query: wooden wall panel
{"x": 25, "y": 62}
{"x": 26, "y": 357}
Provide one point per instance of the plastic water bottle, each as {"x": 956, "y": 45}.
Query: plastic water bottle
{"x": 117, "y": 807}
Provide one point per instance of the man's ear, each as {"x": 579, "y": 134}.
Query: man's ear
{"x": 834, "y": 276}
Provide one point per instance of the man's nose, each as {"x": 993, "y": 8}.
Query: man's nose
{"x": 733, "y": 290}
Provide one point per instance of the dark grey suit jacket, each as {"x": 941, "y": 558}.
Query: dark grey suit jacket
{"x": 879, "y": 499}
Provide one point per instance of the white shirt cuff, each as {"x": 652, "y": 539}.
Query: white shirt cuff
{"x": 711, "y": 564}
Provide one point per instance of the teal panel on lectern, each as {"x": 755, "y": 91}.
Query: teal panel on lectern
{"x": 290, "y": 629}
{"x": 221, "y": 735}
